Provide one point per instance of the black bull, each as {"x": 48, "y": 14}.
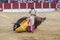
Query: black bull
{"x": 38, "y": 21}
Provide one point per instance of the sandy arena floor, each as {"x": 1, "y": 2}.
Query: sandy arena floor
{"x": 48, "y": 30}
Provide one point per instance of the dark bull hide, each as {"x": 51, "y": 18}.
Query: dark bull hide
{"x": 38, "y": 21}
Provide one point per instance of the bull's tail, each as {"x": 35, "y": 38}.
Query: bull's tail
{"x": 43, "y": 19}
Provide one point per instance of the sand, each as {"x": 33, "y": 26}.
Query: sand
{"x": 48, "y": 30}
